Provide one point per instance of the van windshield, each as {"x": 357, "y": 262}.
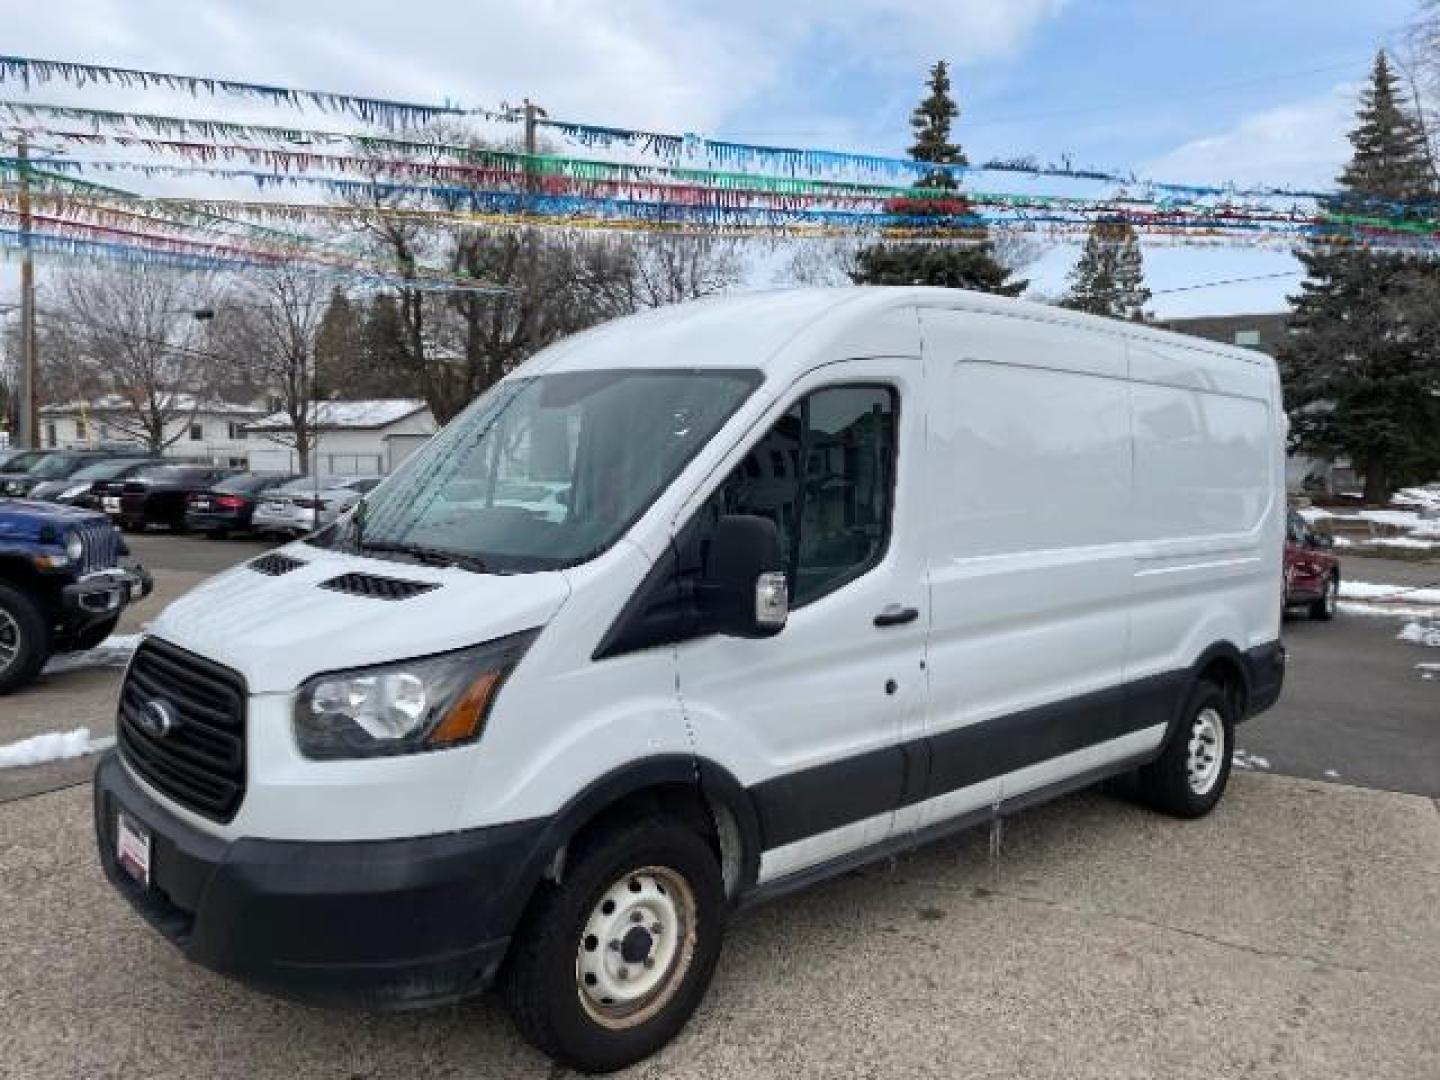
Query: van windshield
{"x": 545, "y": 472}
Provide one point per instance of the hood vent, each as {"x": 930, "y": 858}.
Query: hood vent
{"x": 275, "y": 564}
{"x": 376, "y": 587}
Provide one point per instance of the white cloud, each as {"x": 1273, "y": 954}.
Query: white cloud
{"x": 680, "y": 65}
{"x": 1301, "y": 144}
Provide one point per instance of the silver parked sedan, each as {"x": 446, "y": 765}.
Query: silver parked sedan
{"x": 309, "y": 503}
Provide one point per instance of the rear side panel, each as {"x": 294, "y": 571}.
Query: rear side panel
{"x": 1209, "y": 502}
{"x": 1028, "y": 536}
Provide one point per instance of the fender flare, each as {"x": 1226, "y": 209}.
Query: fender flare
{"x": 713, "y": 782}
{"x": 1219, "y": 650}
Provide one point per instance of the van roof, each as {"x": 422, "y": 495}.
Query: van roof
{"x": 755, "y": 329}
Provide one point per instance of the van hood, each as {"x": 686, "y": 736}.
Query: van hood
{"x": 278, "y": 624}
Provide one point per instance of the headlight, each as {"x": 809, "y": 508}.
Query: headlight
{"x": 74, "y": 547}
{"x": 405, "y": 708}
{"x": 14, "y": 487}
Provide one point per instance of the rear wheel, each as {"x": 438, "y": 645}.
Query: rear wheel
{"x": 1326, "y": 607}
{"x": 1190, "y": 775}
{"x": 609, "y": 965}
{"x": 24, "y": 639}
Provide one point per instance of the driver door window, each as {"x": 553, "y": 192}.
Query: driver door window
{"x": 825, "y": 474}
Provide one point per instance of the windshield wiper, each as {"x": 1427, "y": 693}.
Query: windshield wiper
{"x": 428, "y": 556}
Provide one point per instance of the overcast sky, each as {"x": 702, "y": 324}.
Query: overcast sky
{"x": 1247, "y": 90}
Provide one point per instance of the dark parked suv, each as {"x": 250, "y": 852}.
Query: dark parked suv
{"x": 62, "y": 587}
{"x": 229, "y": 505}
{"x": 78, "y": 488}
{"x": 158, "y": 495}
{"x": 27, "y": 471}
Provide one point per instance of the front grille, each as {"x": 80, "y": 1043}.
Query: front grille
{"x": 377, "y": 587}
{"x": 200, "y": 762}
{"x": 275, "y": 564}
{"x": 102, "y": 547}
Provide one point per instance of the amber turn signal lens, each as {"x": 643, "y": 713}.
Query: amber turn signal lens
{"x": 465, "y": 718}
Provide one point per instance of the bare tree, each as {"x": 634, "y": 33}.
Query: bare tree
{"x": 673, "y": 269}
{"x": 271, "y": 332}
{"x": 135, "y": 336}
{"x": 549, "y": 284}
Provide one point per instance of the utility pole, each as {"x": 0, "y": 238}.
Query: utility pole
{"x": 533, "y": 113}
{"x": 28, "y": 407}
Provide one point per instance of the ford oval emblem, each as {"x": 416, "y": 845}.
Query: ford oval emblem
{"x": 156, "y": 719}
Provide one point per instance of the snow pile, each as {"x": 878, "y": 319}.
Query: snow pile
{"x": 52, "y": 746}
{"x": 1412, "y": 524}
{"x": 1243, "y": 759}
{"x": 1422, "y": 633}
{"x": 1421, "y": 498}
{"x": 114, "y": 651}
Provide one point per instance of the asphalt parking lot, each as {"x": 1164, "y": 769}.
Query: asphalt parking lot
{"x": 1295, "y": 933}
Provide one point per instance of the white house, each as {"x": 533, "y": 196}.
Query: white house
{"x": 211, "y": 431}
{"x": 351, "y": 438}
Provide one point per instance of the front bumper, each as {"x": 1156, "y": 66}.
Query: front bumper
{"x": 102, "y": 595}
{"x": 380, "y": 924}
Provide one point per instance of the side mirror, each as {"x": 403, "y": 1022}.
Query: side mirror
{"x": 744, "y": 592}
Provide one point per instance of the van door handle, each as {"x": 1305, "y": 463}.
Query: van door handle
{"x": 895, "y": 615}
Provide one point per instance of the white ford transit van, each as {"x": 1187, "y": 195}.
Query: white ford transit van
{"x": 695, "y": 608}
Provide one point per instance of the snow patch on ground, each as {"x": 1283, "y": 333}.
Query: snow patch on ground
{"x": 114, "y": 651}
{"x": 1246, "y": 760}
{"x": 1421, "y": 633}
{"x": 52, "y": 746}
{"x": 1386, "y": 611}
{"x": 1409, "y": 543}
{"x": 1428, "y": 671}
{"x": 1331, "y": 774}
{"x": 1365, "y": 590}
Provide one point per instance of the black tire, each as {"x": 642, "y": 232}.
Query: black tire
{"x": 1168, "y": 784}
{"x": 93, "y": 636}
{"x": 1324, "y": 609}
{"x": 542, "y": 981}
{"x": 27, "y": 632}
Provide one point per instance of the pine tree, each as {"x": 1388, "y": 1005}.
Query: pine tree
{"x": 931, "y": 120}
{"x": 951, "y": 266}
{"x": 1109, "y": 279}
{"x": 1362, "y": 366}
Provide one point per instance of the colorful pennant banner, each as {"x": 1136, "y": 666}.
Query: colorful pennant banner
{"x": 29, "y": 70}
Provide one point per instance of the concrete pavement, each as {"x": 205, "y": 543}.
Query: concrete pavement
{"x": 1295, "y": 933}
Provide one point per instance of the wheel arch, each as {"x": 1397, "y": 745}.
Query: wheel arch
{"x": 1222, "y": 663}
{"x": 700, "y": 792}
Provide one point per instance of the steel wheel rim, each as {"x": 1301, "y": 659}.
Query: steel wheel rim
{"x": 636, "y": 947}
{"x": 9, "y": 639}
{"x": 1205, "y": 751}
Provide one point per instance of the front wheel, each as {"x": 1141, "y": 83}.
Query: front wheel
{"x": 1325, "y": 608}
{"x": 609, "y": 965}
{"x": 1190, "y": 775}
{"x": 24, "y": 639}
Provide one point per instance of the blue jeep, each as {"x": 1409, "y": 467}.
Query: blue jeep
{"x": 62, "y": 587}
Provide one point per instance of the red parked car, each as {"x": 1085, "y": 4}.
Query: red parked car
{"x": 1312, "y": 570}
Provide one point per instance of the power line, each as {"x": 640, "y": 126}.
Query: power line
{"x": 1228, "y": 281}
